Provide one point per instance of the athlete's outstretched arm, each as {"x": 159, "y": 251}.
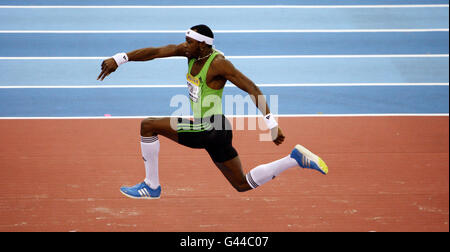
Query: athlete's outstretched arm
{"x": 232, "y": 74}
{"x": 109, "y": 65}
{"x": 150, "y": 53}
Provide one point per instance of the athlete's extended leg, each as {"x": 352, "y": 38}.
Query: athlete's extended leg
{"x": 261, "y": 174}
{"x": 232, "y": 170}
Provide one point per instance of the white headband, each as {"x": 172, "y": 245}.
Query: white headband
{"x": 199, "y": 37}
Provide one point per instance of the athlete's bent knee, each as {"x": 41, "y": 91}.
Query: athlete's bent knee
{"x": 242, "y": 187}
{"x": 148, "y": 127}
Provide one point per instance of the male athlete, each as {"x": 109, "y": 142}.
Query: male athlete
{"x": 208, "y": 71}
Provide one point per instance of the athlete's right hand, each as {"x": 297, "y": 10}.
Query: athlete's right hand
{"x": 108, "y": 66}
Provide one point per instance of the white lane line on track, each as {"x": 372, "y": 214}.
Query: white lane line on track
{"x": 255, "y": 57}
{"x": 228, "y": 85}
{"x": 224, "y": 6}
{"x": 224, "y": 31}
{"x": 230, "y": 116}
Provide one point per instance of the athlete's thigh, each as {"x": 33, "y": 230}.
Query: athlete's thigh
{"x": 165, "y": 126}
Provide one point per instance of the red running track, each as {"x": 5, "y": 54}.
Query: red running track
{"x": 386, "y": 174}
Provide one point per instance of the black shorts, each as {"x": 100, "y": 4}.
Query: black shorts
{"x": 214, "y": 134}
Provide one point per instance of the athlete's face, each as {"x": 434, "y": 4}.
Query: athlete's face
{"x": 192, "y": 47}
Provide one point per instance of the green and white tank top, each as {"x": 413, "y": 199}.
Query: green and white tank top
{"x": 205, "y": 101}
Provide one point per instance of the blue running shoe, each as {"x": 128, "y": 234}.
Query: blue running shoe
{"x": 307, "y": 159}
{"x": 141, "y": 191}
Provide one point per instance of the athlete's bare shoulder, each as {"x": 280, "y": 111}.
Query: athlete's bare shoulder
{"x": 219, "y": 59}
{"x": 225, "y": 69}
{"x": 222, "y": 65}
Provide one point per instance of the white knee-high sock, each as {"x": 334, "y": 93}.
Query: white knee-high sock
{"x": 150, "y": 151}
{"x": 266, "y": 172}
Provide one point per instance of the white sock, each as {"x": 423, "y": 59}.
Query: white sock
{"x": 266, "y": 172}
{"x": 150, "y": 151}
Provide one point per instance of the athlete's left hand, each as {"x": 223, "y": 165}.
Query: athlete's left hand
{"x": 277, "y": 135}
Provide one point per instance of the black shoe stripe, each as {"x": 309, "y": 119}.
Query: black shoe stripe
{"x": 251, "y": 181}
